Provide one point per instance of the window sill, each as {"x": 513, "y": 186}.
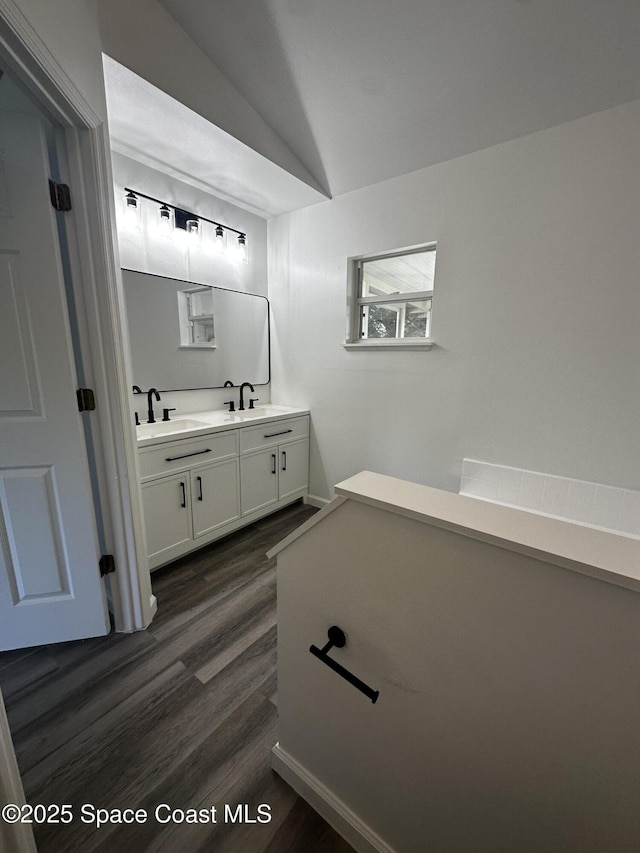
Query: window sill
{"x": 389, "y": 344}
{"x": 198, "y": 346}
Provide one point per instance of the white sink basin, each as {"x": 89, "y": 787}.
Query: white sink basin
{"x": 168, "y": 427}
{"x": 260, "y": 412}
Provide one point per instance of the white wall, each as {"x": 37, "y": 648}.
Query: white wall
{"x": 147, "y": 250}
{"x": 508, "y": 707}
{"x": 70, "y": 30}
{"x": 535, "y": 314}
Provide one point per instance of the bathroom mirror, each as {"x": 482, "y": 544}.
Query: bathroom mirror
{"x": 186, "y": 336}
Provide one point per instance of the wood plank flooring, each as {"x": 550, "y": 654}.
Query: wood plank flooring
{"x": 182, "y": 714}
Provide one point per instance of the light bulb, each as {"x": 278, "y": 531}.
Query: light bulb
{"x": 193, "y": 230}
{"x": 165, "y": 220}
{"x": 131, "y": 210}
{"x": 241, "y": 252}
{"x": 218, "y": 243}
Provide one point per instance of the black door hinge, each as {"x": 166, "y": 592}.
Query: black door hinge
{"x": 107, "y": 565}
{"x": 60, "y": 196}
{"x": 86, "y": 400}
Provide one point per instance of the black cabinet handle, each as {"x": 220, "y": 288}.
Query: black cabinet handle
{"x": 273, "y": 463}
{"x": 283, "y": 432}
{"x": 184, "y": 455}
{"x": 184, "y": 496}
{"x": 199, "y": 479}
{"x": 284, "y": 460}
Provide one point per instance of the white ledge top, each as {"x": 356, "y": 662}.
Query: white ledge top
{"x": 607, "y": 556}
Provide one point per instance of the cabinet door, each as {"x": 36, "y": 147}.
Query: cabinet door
{"x": 215, "y": 496}
{"x": 167, "y": 514}
{"x": 293, "y": 462}
{"x": 259, "y": 479}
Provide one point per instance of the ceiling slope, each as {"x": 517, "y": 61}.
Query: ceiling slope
{"x": 364, "y": 90}
{"x": 151, "y": 127}
{"x": 155, "y": 59}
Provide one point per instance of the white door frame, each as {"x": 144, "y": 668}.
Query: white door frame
{"x": 104, "y": 345}
{"x": 17, "y": 837}
{"x": 100, "y": 304}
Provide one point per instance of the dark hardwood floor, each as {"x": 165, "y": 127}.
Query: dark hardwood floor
{"x": 183, "y": 714}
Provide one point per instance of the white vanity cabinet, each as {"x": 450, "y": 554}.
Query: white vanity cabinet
{"x": 274, "y": 463}
{"x": 196, "y": 489}
{"x": 202, "y": 497}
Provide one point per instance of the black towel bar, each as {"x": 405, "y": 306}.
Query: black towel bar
{"x": 338, "y": 639}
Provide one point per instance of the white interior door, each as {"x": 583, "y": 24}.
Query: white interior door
{"x": 50, "y": 585}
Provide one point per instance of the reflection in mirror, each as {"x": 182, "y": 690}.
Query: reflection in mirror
{"x": 186, "y": 336}
{"x": 195, "y": 315}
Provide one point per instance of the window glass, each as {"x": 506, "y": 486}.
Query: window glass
{"x": 392, "y": 297}
{"x": 397, "y": 319}
{"x": 398, "y": 274}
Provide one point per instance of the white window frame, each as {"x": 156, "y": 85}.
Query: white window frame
{"x": 187, "y": 321}
{"x": 356, "y": 303}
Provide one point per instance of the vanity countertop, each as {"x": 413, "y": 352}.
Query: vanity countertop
{"x": 191, "y": 424}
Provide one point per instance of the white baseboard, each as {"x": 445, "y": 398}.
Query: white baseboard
{"x": 342, "y": 819}
{"x": 314, "y": 500}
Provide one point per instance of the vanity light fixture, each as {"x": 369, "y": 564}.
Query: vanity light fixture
{"x": 172, "y": 217}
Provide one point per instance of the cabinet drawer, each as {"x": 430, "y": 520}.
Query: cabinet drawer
{"x": 187, "y": 453}
{"x": 276, "y": 432}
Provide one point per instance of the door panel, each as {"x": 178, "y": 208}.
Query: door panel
{"x": 50, "y": 585}
{"x": 20, "y": 387}
{"x": 34, "y": 565}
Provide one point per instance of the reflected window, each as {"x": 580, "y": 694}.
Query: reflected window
{"x": 195, "y": 310}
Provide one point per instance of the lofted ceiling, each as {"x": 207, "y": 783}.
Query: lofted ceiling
{"x": 333, "y": 95}
{"x": 149, "y": 126}
{"x": 365, "y": 90}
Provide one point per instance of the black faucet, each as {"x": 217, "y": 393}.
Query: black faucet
{"x": 137, "y": 390}
{"x": 230, "y": 403}
{"x": 152, "y": 417}
{"x": 242, "y": 387}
